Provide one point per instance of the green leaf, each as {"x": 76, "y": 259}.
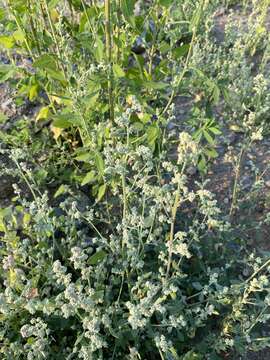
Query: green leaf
{"x": 61, "y": 190}
{"x": 97, "y": 257}
{"x": 33, "y": 92}
{"x": 215, "y": 130}
{"x": 84, "y": 157}
{"x": 64, "y": 121}
{"x": 3, "y": 117}
{"x": 43, "y": 113}
{"x": 155, "y": 85}
{"x": 212, "y": 153}
{"x": 101, "y": 192}
{"x": 118, "y": 71}
{"x": 7, "y": 41}
{"x": 19, "y": 36}
{"x": 45, "y": 62}
{"x": 89, "y": 177}
{"x": 152, "y": 135}
{"x": 166, "y": 3}
{"x": 99, "y": 163}
{"x": 208, "y": 137}
{"x": 180, "y": 51}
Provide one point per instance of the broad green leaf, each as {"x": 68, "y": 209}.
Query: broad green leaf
{"x": 118, "y": 71}
{"x": 46, "y": 62}
{"x": 19, "y": 36}
{"x": 43, "y": 113}
{"x": 7, "y": 41}
{"x": 180, "y": 51}
{"x": 33, "y": 92}
{"x": 97, "y": 257}
{"x": 66, "y": 120}
{"x": 152, "y": 135}
{"x": 56, "y": 74}
{"x": 90, "y": 176}
{"x": 84, "y": 157}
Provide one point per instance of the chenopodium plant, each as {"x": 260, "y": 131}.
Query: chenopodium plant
{"x": 86, "y": 61}
{"x": 154, "y": 273}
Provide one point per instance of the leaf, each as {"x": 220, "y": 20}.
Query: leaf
{"x": 66, "y": 120}
{"x": 45, "y": 62}
{"x": 85, "y": 157}
{"x": 19, "y": 36}
{"x": 118, "y": 71}
{"x": 98, "y": 50}
{"x": 152, "y": 135}
{"x": 155, "y": 85}
{"x": 56, "y": 132}
{"x": 61, "y": 190}
{"x": 43, "y": 113}
{"x": 101, "y": 192}
{"x": 97, "y": 257}
{"x": 99, "y": 163}
{"x": 7, "y": 41}
{"x": 165, "y": 3}
{"x": 90, "y": 176}
{"x": 180, "y": 51}
{"x": 33, "y": 92}
{"x": 3, "y": 117}
{"x": 208, "y": 137}
{"x": 215, "y": 130}
{"x": 212, "y": 153}
{"x": 56, "y": 74}
{"x": 7, "y": 72}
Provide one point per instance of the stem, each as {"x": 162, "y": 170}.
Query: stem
{"x": 108, "y": 33}
{"x": 54, "y": 38}
{"x": 32, "y": 26}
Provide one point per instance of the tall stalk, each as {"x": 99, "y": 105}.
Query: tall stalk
{"x": 108, "y": 34}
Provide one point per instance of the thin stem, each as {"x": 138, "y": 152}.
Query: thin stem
{"x": 108, "y": 33}
{"x": 32, "y": 26}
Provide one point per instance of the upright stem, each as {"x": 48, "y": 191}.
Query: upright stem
{"x": 108, "y": 33}
{"x": 32, "y": 26}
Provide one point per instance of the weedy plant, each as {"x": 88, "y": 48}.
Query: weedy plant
{"x": 148, "y": 268}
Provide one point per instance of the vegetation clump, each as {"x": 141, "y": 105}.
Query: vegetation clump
{"x": 115, "y": 243}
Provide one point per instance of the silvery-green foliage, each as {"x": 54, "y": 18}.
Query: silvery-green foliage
{"x": 91, "y": 285}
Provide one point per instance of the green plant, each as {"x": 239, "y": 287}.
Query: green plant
{"x": 147, "y": 267}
